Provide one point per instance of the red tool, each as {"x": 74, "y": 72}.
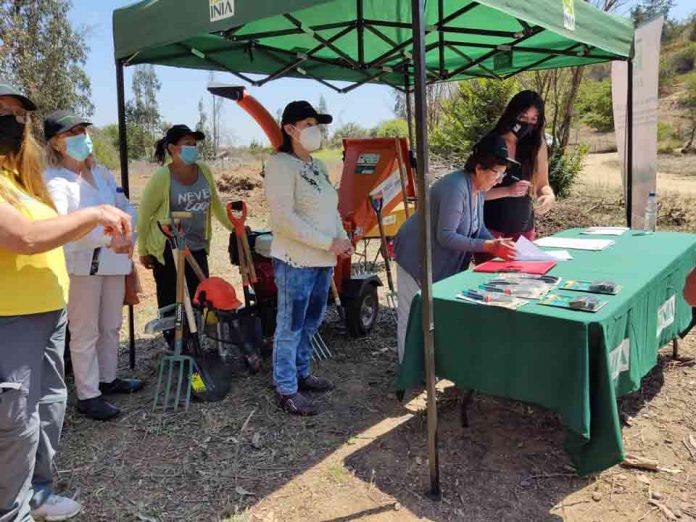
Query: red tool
{"x": 237, "y": 213}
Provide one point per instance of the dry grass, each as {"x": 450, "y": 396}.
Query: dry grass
{"x": 364, "y": 457}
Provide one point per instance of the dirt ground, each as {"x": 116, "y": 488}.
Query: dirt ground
{"x": 364, "y": 456}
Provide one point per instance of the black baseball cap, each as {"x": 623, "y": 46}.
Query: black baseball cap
{"x": 8, "y": 90}
{"x": 176, "y": 132}
{"x": 495, "y": 145}
{"x": 301, "y": 110}
{"x": 62, "y": 121}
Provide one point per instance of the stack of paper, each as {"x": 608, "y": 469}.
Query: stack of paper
{"x": 572, "y": 243}
{"x": 528, "y": 251}
{"x": 605, "y": 231}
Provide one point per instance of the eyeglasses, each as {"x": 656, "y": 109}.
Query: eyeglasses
{"x": 498, "y": 175}
{"x": 20, "y": 114}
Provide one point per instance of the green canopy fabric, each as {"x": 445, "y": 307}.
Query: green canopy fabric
{"x": 368, "y": 41}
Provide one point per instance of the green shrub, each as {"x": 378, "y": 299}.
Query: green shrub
{"x": 104, "y": 149}
{"x": 594, "y": 105}
{"x": 468, "y": 115}
{"x": 396, "y": 128}
{"x": 683, "y": 60}
{"x": 564, "y": 168}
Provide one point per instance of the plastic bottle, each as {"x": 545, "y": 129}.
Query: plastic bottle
{"x": 650, "y": 223}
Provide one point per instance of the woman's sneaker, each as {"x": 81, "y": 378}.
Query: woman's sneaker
{"x": 315, "y": 384}
{"x": 56, "y": 508}
{"x": 297, "y": 404}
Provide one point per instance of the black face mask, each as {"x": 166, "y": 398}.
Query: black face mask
{"x": 522, "y": 129}
{"x": 11, "y": 135}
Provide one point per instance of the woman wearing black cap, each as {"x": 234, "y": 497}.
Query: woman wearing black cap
{"x": 458, "y": 228}
{"x": 512, "y": 206}
{"x": 183, "y": 183}
{"x": 33, "y": 293}
{"x": 308, "y": 234}
{"x": 97, "y": 273}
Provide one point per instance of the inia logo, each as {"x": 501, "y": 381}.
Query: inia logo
{"x": 221, "y": 9}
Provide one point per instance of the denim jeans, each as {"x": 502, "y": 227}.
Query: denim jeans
{"x": 302, "y": 297}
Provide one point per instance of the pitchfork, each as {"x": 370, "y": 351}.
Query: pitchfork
{"x": 183, "y": 366}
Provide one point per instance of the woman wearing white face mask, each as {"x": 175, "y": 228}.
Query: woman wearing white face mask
{"x": 97, "y": 264}
{"x": 308, "y": 234}
{"x": 183, "y": 183}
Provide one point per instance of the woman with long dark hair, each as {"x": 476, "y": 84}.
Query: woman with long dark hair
{"x": 512, "y": 205}
{"x": 308, "y": 234}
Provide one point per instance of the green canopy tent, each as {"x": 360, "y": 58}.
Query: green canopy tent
{"x": 405, "y": 44}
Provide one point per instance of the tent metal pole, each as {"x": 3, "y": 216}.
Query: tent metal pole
{"x": 123, "y": 152}
{"x": 361, "y": 32}
{"x": 409, "y": 112}
{"x": 417, "y": 13}
{"x": 629, "y": 145}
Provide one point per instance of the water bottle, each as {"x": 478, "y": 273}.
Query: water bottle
{"x": 650, "y": 223}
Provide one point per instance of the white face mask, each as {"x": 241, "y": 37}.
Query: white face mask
{"x": 310, "y": 138}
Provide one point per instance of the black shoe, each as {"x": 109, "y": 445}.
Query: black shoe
{"x": 298, "y": 404}
{"x": 121, "y": 386}
{"x": 315, "y": 384}
{"x": 97, "y": 408}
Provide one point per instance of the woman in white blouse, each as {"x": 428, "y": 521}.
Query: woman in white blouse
{"x": 97, "y": 272}
{"x": 308, "y": 234}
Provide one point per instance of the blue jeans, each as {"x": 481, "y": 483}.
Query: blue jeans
{"x": 302, "y": 297}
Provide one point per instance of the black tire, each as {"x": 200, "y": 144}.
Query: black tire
{"x": 362, "y": 312}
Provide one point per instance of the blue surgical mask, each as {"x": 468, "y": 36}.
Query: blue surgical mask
{"x": 189, "y": 154}
{"x": 79, "y": 147}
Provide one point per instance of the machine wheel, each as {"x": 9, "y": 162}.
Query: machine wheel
{"x": 362, "y": 312}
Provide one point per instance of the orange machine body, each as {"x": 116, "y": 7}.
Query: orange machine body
{"x": 373, "y": 166}
{"x": 259, "y": 113}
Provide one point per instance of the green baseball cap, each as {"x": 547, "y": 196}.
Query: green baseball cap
{"x": 62, "y": 121}
{"x": 8, "y": 90}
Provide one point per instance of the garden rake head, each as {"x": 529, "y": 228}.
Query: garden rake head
{"x": 176, "y": 365}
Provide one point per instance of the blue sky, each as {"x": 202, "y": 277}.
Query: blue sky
{"x": 182, "y": 89}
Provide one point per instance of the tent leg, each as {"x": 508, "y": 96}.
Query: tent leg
{"x": 421, "y": 112}
{"x": 123, "y": 152}
{"x": 409, "y": 115}
{"x": 629, "y": 146}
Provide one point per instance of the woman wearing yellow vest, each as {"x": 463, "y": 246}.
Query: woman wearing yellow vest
{"x": 183, "y": 183}
{"x": 33, "y": 293}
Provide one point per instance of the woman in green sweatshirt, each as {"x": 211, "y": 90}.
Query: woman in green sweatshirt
{"x": 182, "y": 183}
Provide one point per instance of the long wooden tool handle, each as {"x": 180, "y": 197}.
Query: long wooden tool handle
{"x": 195, "y": 266}
{"x": 402, "y": 175}
{"x": 385, "y": 251}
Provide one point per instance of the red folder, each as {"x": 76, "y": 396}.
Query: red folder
{"x": 525, "y": 267}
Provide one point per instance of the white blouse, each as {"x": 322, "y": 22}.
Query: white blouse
{"x": 70, "y": 192}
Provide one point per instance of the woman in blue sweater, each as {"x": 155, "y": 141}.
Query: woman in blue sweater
{"x": 457, "y": 227}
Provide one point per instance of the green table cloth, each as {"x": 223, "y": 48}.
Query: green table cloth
{"x": 574, "y": 363}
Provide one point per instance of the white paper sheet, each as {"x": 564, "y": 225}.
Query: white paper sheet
{"x": 572, "y": 243}
{"x": 528, "y": 251}
{"x": 559, "y": 255}
{"x": 605, "y": 231}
